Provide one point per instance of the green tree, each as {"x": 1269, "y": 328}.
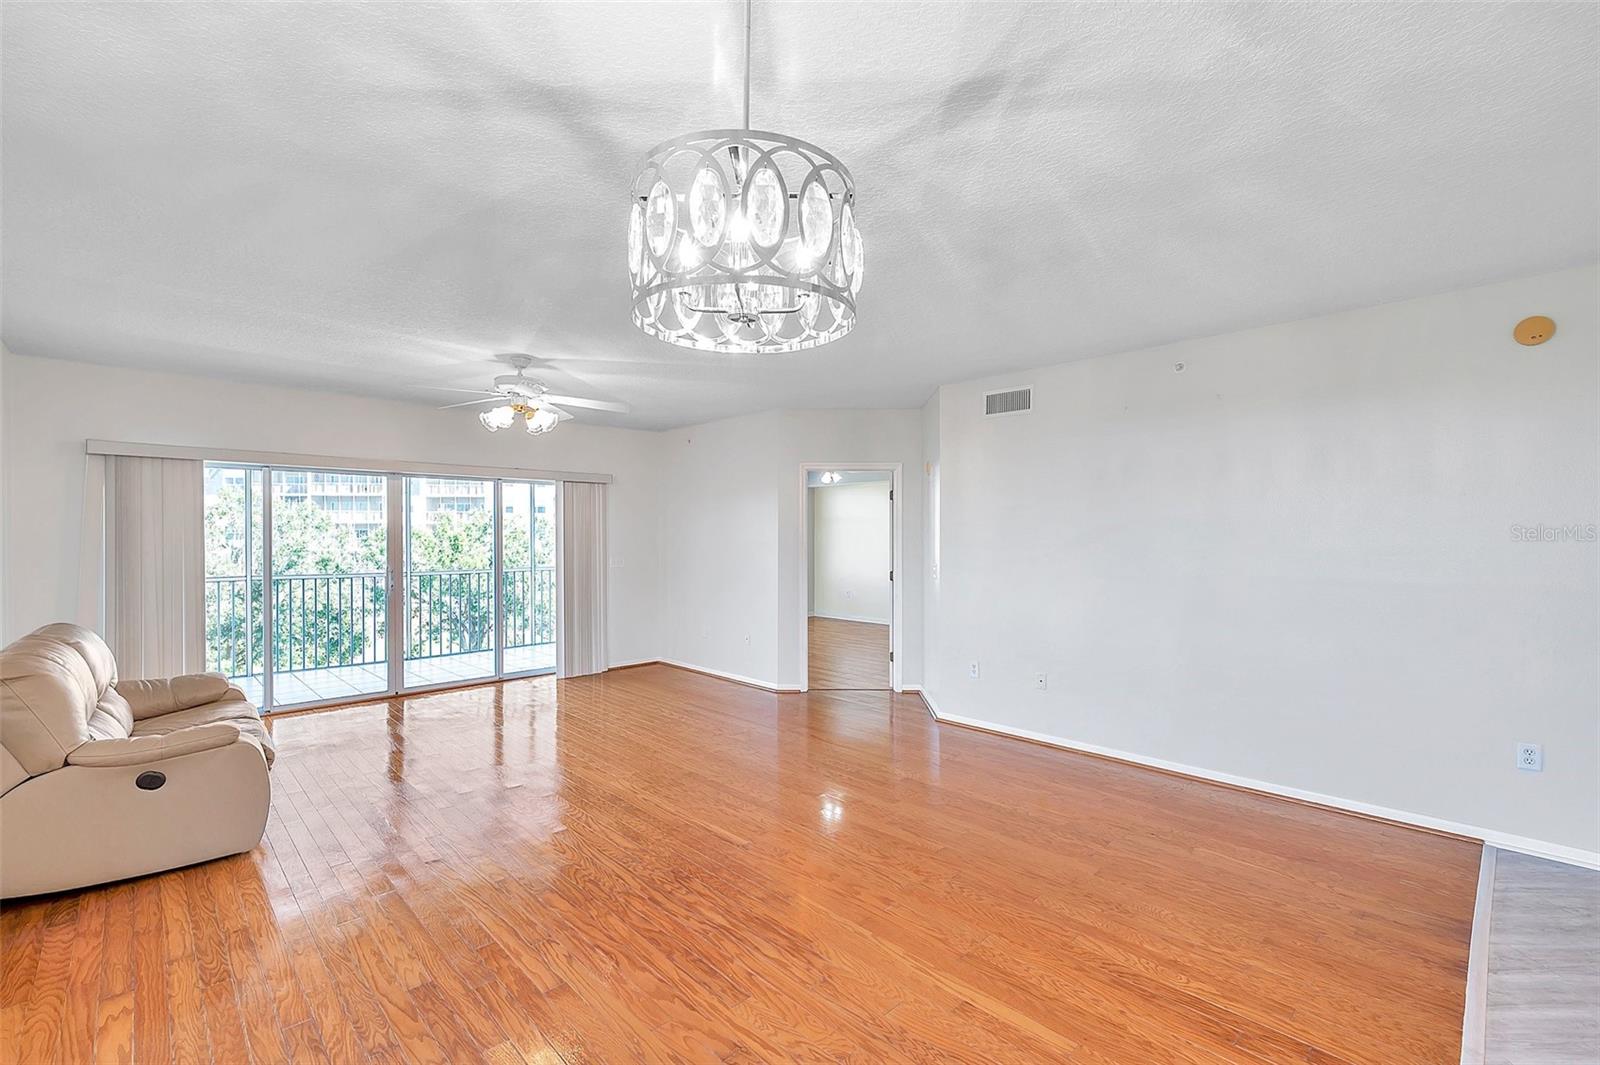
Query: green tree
{"x": 329, "y": 597}
{"x": 449, "y": 609}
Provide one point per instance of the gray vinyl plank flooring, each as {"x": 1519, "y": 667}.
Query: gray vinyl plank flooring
{"x": 1543, "y": 992}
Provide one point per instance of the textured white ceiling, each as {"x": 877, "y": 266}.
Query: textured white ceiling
{"x": 377, "y": 197}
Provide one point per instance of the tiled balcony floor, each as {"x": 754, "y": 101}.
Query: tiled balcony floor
{"x": 352, "y": 682}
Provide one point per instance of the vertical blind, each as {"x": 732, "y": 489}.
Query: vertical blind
{"x": 583, "y": 577}
{"x": 154, "y": 566}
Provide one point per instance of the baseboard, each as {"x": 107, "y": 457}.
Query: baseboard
{"x": 749, "y": 682}
{"x": 853, "y": 617}
{"x": 927, "y": 702}
{"x": 1475, "y": 1014}
{"x": 634, "y": 665}
{"x": 1504, "y": 840}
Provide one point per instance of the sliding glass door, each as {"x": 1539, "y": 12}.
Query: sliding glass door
{"x": 329, "y": 586}
{"x": 528, "y": 577}
{"x": 235, "y": 548}
{"x": 379, "y": 583}
{"x": 449, "y": 581}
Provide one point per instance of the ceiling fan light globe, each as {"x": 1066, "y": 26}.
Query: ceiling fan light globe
{"x": 497, "y": 418}
{"x": 541, "y": 420}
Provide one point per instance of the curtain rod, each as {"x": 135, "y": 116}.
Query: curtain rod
{"x": 334, "y": 462}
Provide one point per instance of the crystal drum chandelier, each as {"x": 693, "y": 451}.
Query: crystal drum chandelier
{"x": 742, "y": 241}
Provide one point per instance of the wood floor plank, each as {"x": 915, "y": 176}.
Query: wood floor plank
{"x": 19, "y": 951}
{"x": 191, "y": 1040}
{"x": 846, "y": 654}
{"x": 113, "y": 1039}
{"x": 85, "y": 980}
{"x": 42, "y": 1013}
{"x": 152, "y": 1019}
{"x": 656, "y": 866}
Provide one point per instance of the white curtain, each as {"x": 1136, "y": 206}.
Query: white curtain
{"x": 92, "y": 546}
{"x": 583, "y": 579}
{"x": 155, "y": 565}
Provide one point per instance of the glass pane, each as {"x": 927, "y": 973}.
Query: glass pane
{"x": 529, "y": 575}
{"x": 233, "y": 575}
{"x": 329, "y": 622}
{"x": 449, "y": 580}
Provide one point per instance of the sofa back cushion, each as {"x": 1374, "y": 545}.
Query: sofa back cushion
{"x": 55, "y": 694}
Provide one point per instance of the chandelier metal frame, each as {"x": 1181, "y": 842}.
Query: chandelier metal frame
{"x": 744, "y": 241}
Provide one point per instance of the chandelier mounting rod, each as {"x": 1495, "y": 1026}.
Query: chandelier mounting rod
{"x": 747, "y": 4}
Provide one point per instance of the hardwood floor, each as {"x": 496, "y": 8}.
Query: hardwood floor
{"x": 654, "y": 865}
{"x": 847, "y": 654}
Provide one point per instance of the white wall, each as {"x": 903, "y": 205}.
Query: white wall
{"x": 1291, "y": 564}
{"x": 851, "y": 551}
{"x": 733, "y": 591}
{"x": 704, "y": 522}
{"x": 53, "y": 406}
{"x": 1295, "y": 562}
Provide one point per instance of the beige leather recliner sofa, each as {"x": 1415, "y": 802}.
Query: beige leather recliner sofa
{"x": 101, "y": 779}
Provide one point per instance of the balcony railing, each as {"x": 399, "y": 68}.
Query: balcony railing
{"x": 324, "y": 620}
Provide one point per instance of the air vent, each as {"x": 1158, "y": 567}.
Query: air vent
{"x": 1011, "y": 401}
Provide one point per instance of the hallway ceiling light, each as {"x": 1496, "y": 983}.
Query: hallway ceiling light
{"x": 743, "y": 241}
{"x": 830, "y": 477}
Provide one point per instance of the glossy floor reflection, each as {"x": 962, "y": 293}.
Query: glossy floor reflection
{"x": 846, "y": 654}
{"x": 657, "y": 866}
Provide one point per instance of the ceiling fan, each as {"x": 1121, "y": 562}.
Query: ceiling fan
{"x": 528, "y": 398}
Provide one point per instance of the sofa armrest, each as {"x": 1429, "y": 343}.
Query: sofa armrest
{"x": 137, "y": 750}
{"x": 151, "y": 698}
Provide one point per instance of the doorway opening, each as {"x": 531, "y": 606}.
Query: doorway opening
{"x": 850, "y": 600}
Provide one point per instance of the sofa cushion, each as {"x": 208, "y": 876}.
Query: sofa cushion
{"x": 94, "y": 651}
{"x": 116, "y": 708}
{"x": 236, "y": 712}
{"x": 48, "y": 691}
{"x": 139, "y": 750}
{"x": 151, "y": 698}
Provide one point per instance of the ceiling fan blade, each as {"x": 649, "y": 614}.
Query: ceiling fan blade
{"x": 475, "y": 402}
{"x": 469, "y": 391}
{"x": 591, "y": 404}
{"x": 559, "y": 413}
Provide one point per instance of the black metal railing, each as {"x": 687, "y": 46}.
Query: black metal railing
{"x": 325, "y": 620}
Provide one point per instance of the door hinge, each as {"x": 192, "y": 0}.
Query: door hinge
{"x": 891, "y": 495}
{"x": 891, "y": 656}
{"x": 891, "y": 575}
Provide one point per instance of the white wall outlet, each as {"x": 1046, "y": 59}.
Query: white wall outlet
{"x": 849, "y": 593}
{"x": 1041, "y": 681}
{"x": 972, "y": 670}
{"x": 1530, "y": 756}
